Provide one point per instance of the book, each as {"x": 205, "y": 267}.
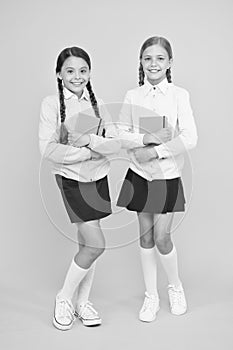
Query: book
{"x": 152, "y": 124}
{"x": 84, "y": 124}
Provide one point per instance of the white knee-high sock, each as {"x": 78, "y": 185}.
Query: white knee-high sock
{"x": 73, "y": 277}
{"x": 149, "y": 268}
{"x": 170, "y": 264}
{"x": 85, "y": 285}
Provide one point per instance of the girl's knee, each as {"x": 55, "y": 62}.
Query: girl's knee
{"x": 163, "y": 243}
{"x": 147, "y": 241}
{"x": 95, "y": 252}
{"x": 87, "y": 255}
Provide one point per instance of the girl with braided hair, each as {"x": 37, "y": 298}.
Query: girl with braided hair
{"x": 81, "y": 165}
{"x": 153, "y": 186}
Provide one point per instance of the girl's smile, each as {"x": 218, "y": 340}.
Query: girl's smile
{"x": 77, "y": 83}
{"x": 155, "y": 62}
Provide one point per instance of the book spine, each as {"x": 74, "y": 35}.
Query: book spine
{"x": 164, "y": 121}
{"x": 98, "y": 128}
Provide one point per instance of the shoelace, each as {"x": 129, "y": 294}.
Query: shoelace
{"x": 176, "y": 296}
{"x": 64, "y": 308}
{"x": 149, "y": 303}
{"x": 87, "y": 310}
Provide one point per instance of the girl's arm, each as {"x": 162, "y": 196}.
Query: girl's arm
{"x": 187, "y": 137}
{"x": 129, "y": 139}
{"x": 49, "y": 144}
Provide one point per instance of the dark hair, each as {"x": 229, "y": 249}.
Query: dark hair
{"x": 76, "y": 52}
{"x": 155, "y": 40}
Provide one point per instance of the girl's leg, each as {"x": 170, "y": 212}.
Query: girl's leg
{"x": 166, "y": 248}
{"x": 84, "y": 288}
{"x": 93, "y": 248}
{"x": 147, "y": 252}
{"x": 146, "y": 230}
{"x": 168, "y": 257}
{"x": 92, "y": 245}
{"x": 149, "y": 267}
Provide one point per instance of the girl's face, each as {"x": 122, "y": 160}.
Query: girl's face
{"x": 155, "y": 62}
{"x": 75, "y": 74}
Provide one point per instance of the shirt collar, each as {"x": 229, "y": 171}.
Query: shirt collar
{"x": 162, "y": 86}
{"x": 70, "y": 95}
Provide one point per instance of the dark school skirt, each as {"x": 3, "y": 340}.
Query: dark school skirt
{"x": 157, "y": 196}
{"x": 85, "y": 201}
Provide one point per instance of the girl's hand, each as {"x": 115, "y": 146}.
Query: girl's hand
{"x": 95, "y": 155}
{"x": 78, "y": 140}
{"x": 145, "y": 154}
{"x": 161, "y": 136}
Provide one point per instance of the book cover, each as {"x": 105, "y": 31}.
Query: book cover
{"x": 84, "y": 123}
{"x": 152, "y": 124}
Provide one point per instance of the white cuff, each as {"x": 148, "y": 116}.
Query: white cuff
{"x": 161, "y": 151}
{"x": 140, "y": 139}
{"x": 92, "y": 140}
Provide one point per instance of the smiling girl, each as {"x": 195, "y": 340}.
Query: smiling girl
{"x": 153, "y": 186}
{"x": 81, "y": 166}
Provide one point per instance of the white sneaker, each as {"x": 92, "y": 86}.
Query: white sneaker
{"x": 63, "y": 317}
{"x": 177, "y": 300}
{"x": 88, "y": 315}
{"x": 149, "y": 308}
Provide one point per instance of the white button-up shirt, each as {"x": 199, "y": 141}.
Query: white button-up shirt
{"x": 164, "y": 99}
{"x": 68, "y": 161}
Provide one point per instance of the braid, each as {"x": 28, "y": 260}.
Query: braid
{"x": 141, "y": 75}
{"x": 168, "y": 74}
{"x": 94, "y": 103}
{"x": 61, "y": 99}
{"x": 93, "y": 99}
{"x": 63, "y": 130}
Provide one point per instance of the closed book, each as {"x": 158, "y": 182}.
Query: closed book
{"x": 152, "y": 124}
{"x": 84, "y": 123}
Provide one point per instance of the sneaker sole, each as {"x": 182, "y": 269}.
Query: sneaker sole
{"x": 179, "y": 314}
{"x": 88, "y": 323}
{"x": 60, "y": 326}
{"x": 94, "y": 323}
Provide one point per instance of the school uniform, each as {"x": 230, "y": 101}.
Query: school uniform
{"x": 155, "y": 186}
{"x": 82, "y": 180}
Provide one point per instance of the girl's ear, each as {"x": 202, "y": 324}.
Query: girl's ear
{"x": 171, "y": 62}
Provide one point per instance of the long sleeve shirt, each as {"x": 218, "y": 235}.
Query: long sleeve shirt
{"x": 68, "y": 161}
{"x": 164, "y": 99}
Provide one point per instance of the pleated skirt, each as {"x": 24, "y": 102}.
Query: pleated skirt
{"x": 157, "y": 196}
{"x": 85, "y": 201}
